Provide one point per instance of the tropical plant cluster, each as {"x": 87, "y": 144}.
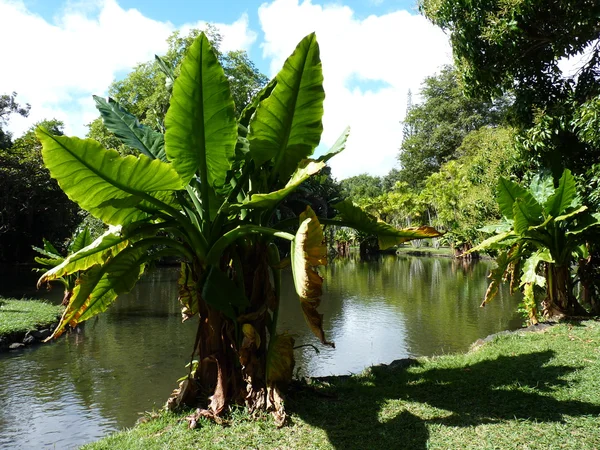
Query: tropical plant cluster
{"x": 210, "y": 191}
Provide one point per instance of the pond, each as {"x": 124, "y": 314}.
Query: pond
{"x": 126, "y": 361}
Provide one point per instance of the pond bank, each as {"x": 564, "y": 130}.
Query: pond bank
{"x": 26, "y": 322}
{"x": 519, "y": 390}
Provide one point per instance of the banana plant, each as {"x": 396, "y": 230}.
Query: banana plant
{"x": 50, "y": 257}
{"x": 207, "y": 192}
{"x": 541, "y": 235}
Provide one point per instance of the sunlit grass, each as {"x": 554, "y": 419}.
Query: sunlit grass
{"x": 525, "y": 391}
{"x": 18, "y": 316}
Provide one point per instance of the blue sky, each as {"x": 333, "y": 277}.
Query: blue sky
{"x": 373, "y": 51}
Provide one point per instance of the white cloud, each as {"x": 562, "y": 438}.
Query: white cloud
{"x": 398, "y": 49}
{"x": 56, "y": 67}
{"x": 236, "y": 36}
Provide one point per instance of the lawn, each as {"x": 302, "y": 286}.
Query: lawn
{"x": 20, "y": 316}
{"x": 520, "y": 391}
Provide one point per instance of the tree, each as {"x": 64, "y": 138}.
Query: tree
{"x": 32, "y": 206}
{"x": 145, "y": 92}
{"x": 207, "y": 192}
{"x": 440, "y": 123}
{"x": 516, "y": 47}
{"x": 461, "y": 195}
{"x": 545, "y": 228}
{"x": 361, "y": 186}
{"x": 8, "y": 106}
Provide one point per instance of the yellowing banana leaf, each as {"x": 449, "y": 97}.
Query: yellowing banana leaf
{"x": 188, "y": 292}
{"x": 99, "y": 251}
{"x": 496, "y": 276}
{"x": 305, "y": 170}
{"x": 287, "y": 126}
{"x": 388, "y": 236}
{"x": 94, "y": 177}
{"x": 280, "y": 359}
{"x": 530, "y": 266}
{"x": 99, "y": 287}
{"x": 201, "y": 126}
{"x": 308, "y": 252}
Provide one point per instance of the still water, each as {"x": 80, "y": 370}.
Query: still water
{"x": 126, "y": 361}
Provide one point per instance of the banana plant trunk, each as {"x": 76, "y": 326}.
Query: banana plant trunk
{"x": 232, "y": 355}
{"x": 560, "y": 300}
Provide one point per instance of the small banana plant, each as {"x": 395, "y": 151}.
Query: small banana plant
{"x": 208, "y": 192}
{"x": 542, "y": 233}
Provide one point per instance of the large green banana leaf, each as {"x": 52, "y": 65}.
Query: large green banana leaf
{"x": 584, "y": 222}
{"x": 305, "y": 170}
{"x": 287, "y": 126}
{"x": 507, "y": 193}
{"x": 338, "y": 146}
{"x": 201, "y": 126}
{"x": 131, "y": 132}
{"x": 82, "y": 239}
{"x": 563, "y": 196}
{"x": 249, "y": 110}
{"x": 500, "y": 240}
{"x": 388, "y": 236}
{"x": 113, "y": 188}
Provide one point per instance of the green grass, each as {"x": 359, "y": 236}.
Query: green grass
{"x": 521, "y": 391}
{"x": 20, "y": 316}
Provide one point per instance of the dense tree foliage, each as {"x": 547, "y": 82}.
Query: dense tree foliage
{"x": 517, "y": 47}
{"x": 361, "y": 186}
{"x": 8, "y": 106}
{"x": 437, "y": 126}
{"x": 32, "y": 206}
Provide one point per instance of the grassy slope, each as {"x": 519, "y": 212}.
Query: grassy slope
{"x": 19, "y": 316}
{"x": 526, "y": 391}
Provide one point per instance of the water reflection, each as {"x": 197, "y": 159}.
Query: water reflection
{"x": 125, "y": 361}
{"x": 394, "y": 307}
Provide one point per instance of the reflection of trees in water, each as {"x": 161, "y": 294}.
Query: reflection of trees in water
{"x": 119, "y": 364}
{"x": 438, "y": 297}
{"x": 127, "y": 359}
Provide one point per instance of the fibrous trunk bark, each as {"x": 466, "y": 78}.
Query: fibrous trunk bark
{"x": 232, "y": 355}
{"x": 560, "y": 301}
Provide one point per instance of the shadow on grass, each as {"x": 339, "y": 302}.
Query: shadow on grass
{"x": 363, "y": 413}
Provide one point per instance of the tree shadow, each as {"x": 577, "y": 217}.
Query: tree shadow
{"x": 364, "y": 412}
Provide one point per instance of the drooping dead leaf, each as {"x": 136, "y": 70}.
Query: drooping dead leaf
{"x": 217, "y": 400}
{"x": 280, "y": 367}
{"x": 280, "y": 359}
{"x": 185, "y": 394}
{"x": 188, "y": 292}
{"x": 308, "y": 252}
